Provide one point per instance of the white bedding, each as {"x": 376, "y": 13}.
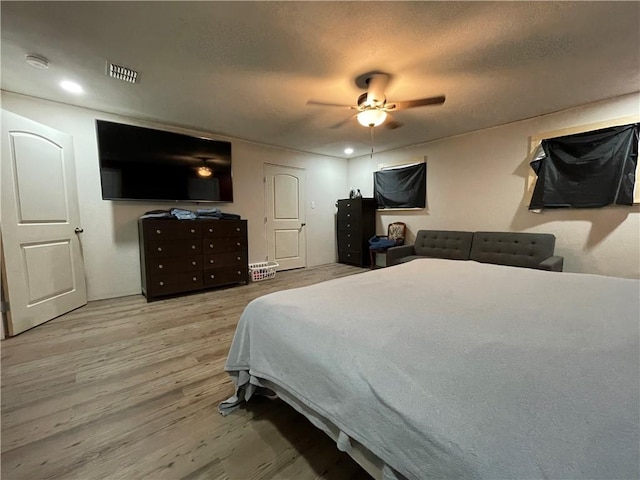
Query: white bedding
{"x": 456, "y": 369}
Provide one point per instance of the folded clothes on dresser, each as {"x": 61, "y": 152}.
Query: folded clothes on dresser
{"x": 216, "y": 213}
{"x": 157, "y": 214}
{"x": 183, "y": 214}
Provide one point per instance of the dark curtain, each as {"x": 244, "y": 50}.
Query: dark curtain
{"x": 404, "y": 187}
{"x": 587, "y": 170}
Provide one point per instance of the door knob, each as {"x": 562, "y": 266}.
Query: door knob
{"x": 78, "y": 230}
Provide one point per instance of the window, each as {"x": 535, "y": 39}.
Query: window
{"x": 401, "y": 187}
{"x": 587, "y": 170}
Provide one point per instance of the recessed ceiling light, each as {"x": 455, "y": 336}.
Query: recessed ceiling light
{"x": 348, "y": 151}
{"x": 37, "y": 61}
{"x": 72, "y": 87}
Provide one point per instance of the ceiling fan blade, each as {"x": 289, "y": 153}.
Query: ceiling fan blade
{"x": 326, "y": 104}
{"x": 420, "y": 102}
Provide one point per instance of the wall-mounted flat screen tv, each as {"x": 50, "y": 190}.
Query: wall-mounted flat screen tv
{"x": 138, "y": 163}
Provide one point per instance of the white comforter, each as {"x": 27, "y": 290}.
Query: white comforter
{"x": 453, "y": 369}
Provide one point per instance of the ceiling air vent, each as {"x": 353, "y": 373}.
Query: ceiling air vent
{"x": 125, "y": 74}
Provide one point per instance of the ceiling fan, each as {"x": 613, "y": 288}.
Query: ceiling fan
{"x": 373, "y": 107}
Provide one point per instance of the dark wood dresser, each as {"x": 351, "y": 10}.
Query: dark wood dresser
{"x": 180, "y": 256}
{"x": 356, "y": 225}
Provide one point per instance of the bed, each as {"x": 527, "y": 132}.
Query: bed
{"x": 444, "y": 369}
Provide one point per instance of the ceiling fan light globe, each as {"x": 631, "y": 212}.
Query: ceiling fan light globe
{"x": 204, "y": 171}
{"x": 371, "y": 118}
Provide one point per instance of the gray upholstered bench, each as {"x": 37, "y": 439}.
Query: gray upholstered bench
{"x": 528, "y": 250}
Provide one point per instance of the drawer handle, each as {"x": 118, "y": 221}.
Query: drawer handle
{"x": 161, "y": 283}
{"x": 348, "y": 225}
{"x": 237, "y": 229}
{"x": 348, "y": 215}
{"x": 159, "y": 249}
{"x": 348, "y": 204}
{"x": 195, "y": 279}
{"x": 238, "y": 243}
{"x": 348, "y": 244}
{"x": 160, "y": 266}
{"x": 193, "y": 231}
{"x": 211, "y": 230}
{"x": 239, "y": 272}
{"x": 193, "y": 247}
{"x": 348, "y": 235}
{"x": 158, "y": 231}
{"x": 211, "y": 261}
{"x": 213, "y": 276}
{"x": 211, "y": 245}
{"x": 193, "y": 263}
{"x": 238, "y": 258}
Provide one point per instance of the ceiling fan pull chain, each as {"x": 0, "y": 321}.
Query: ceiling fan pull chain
{"x": 371, "y": 128}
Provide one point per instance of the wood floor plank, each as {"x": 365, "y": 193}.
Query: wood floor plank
{"x": 122, "y": 388}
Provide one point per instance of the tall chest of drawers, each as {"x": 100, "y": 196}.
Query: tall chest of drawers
{"x": 180, "y": 256}
{"x": 356, "y": 225}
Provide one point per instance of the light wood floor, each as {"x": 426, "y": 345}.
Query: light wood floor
{"x": 124, "y": 389}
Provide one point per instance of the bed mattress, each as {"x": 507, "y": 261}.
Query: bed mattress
{"x": 457, "y": 369}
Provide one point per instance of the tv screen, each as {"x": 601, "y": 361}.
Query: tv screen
{"x": 138, "y": 163}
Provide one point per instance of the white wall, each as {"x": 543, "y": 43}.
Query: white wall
{"x": 110, "y": 238}
{"x": 474, "y": 182}
{"x": 477, "y": 181}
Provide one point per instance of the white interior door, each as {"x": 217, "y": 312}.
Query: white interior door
{"x": 42, "y": 258}
{"x": 285, "y": 216}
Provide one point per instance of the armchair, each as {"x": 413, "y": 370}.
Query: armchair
{"x": 396, "y": 233}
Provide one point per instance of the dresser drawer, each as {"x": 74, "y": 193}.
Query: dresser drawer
{"x": 162, "y": 265}
{"x": 220, "y": 276}
{"x": 350, "y": 257}
{"x": 350, "y": 245}
{"x": 224, "y": 245}
{"x": 224, "y": 228}
{"x": 171, "y": 230}
{"x": 350, "y": 225}
{"x": 348, "y": 236}
{"x": 348, "y": 216}
{"x": 231, "y": 259}
{"x": 349, "y": 205}
{"x": 165, "y": 284}
{"x": 173, "y": 248}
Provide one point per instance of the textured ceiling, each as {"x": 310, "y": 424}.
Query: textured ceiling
{"x": 246, "y": 69}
